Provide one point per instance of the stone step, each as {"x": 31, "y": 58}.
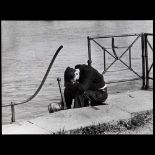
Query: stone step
{"x": 119, "y": 107}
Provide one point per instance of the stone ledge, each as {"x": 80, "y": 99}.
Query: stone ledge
{"x": 120, "y": 106}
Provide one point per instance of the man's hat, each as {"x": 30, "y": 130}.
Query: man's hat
{"x": 69, "y": 74}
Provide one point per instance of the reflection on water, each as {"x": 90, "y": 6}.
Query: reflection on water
{"x": 28, "y": 47}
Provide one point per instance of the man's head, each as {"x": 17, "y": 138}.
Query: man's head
{"x": 71, "y": 74}
{"x": 76, "y": 74}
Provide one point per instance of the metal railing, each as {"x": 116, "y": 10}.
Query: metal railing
{"x": 144, "y": 42}
{"x": 12, "y": 105}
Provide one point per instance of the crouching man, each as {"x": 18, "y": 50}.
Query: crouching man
{"x": 85, "y": 85}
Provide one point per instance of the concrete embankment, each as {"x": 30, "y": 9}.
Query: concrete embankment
{"x": 121, "y": 106}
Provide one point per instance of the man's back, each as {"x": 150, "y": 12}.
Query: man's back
{"x": 90, "y": 78}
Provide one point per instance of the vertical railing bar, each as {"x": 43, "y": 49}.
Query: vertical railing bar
{"x": 12, "y": 112}
{"x": 104, "y": 59}
{"x": 130, "y": 57}
{"x": 143, "y": 61}
{"x": 146, "y": 57}
{"x": 89, "y": 51}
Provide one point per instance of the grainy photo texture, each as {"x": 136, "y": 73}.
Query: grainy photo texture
{"x": 87, "y": 77}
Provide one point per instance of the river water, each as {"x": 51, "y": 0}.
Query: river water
{"x": 28, "y": 47}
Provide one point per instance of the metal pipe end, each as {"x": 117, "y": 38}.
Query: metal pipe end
{"x": 58, "y": 79}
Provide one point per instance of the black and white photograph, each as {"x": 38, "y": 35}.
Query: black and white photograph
{"x": 77, "y": 77}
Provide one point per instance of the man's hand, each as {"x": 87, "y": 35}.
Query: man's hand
{"x": 74, "y": 82}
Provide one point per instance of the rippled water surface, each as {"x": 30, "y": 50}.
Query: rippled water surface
{"x": 28, "y": 47}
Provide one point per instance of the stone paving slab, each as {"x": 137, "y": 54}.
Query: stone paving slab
{"x": 133, "y": 102}
{"x": 81, "y": 117}
{"x": 23, "y": 128}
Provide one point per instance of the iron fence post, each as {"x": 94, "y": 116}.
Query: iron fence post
{"x": 130, "y": 57}
{"x": 104, "y": 57}
{"x": 89, "y": 52}
{"x": 146, "y": 61}
{"x": 12, "y": 112}
{"x": 143, "y": 60}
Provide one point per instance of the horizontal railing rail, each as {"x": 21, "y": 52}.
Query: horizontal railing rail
{"x": 112, "y": 36}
